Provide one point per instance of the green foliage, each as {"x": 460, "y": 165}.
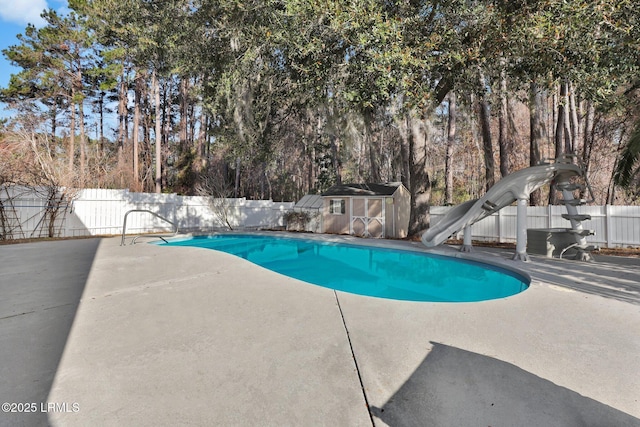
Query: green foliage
{"x": 326, "y": 178}
{"x": 279, "y": 76}
{"x": 52, "y": 59}
{"x": 297, "y": 220}
{"x": 184, "y": 177}
{"x": 628, "y": 167}
{"x": 297, "y": 217}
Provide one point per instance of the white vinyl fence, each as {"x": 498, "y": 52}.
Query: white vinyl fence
{"x": 26, "y": 212}
{"x": 101, "y": 212}
{"x": 614, "y": 226}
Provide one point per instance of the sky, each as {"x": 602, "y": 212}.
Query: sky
{"x": 14, "y": 17}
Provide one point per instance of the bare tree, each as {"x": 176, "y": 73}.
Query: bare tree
{"x": 215, "y": 188}
{"x": 30, "y": 155}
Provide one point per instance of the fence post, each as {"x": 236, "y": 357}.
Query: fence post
{"x": 499, "y": 219}
{"x": 608, "y": 228}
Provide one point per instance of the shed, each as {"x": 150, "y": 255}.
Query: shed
{"x": 367, "y": 210}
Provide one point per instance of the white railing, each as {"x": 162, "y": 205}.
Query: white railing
{"x": 614, "y": 226}
{"x": 159, "y": 236}
{"x": 101, "y": 212}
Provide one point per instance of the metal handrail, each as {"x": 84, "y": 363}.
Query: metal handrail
{"x": 124, "y": 226}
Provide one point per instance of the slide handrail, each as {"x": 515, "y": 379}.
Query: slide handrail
{"x": 124, "y": 226}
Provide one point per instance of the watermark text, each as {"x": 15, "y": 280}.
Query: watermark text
{"x": 23, "y": 407}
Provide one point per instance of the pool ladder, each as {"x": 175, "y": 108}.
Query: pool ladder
{"x": 159, "y": 236}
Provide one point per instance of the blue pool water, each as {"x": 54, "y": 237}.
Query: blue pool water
{"x": 372, "y": 271}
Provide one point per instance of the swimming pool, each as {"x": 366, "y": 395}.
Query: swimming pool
{"x": 365, "y": 270}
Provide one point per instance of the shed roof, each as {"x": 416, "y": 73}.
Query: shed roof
{"x": 385, "y": 189}
{"x": 309, "y": 201}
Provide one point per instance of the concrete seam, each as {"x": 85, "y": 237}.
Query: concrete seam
{"x": 16, "y": 315}
{"x": 355, "y": 361}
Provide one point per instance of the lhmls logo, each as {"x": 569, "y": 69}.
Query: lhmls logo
{"x": 59, "y": 407}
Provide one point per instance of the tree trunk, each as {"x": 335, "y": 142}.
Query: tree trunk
{"x": 588, "y": 138}
{"x": 184, "y": 87}
{"x": 610, "y": 198}
{"x": 156, "y": 93}
{"x": 405, "y": 152}
{"x": 147, "y": 146}
{"x": 101, "y": 110}
{"x": 122, "y": 118}
{"x": 568, "y": 132}
{"x": 53, "y": 114}
{"x": 136, "y": 132}
{"x": 448, "y": 161}
{"x": 487, "y": 145}
{"x": 165, "y": 125}
{"x": 201, "y": 156}
{"x": 485, "y": 124}
{"x": 576, "y": 129}
{"x": 308, "y": 147}
{"x": 77, "y": 83}
{"x": 236, "y": 186}
{"x": 369, "y": 143}
{"x": 537, "y": 133}
{"x": 72, "y": 133}
{"x": 415, "y": 178}
{"x": 560, "y": 134}
{"x": 263, "y": 179}
{"x": 83, "y": 143}
{"x": 560, "y": 126}
{"x": 335, "y": 160}
{"x": 147, "y": 157}
{"x": 503, "y": 117}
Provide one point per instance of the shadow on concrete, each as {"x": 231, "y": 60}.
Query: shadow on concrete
{"x": 41, "y": 286}
{"x": 455, "y": 387}
{"x": 603, "y": 278}
{"x": 608, "y": 276}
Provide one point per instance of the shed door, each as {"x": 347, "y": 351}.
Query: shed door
{"x": 367, "y": 217}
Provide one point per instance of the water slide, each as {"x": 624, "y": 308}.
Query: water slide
{"x": 518, "y": 185}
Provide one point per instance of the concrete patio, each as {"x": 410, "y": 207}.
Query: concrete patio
{"x": 97, "y": 334}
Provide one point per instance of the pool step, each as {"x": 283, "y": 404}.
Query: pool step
{"x": 573, "y": 202}
{"x": 578, "y": 217}
{"x": 581, "y": 232}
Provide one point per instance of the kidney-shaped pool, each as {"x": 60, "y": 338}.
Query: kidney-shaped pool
{"x": 366, "y": 270}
